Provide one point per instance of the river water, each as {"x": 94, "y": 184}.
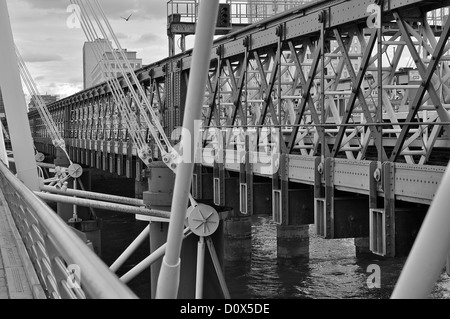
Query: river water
{"x": 332, "y": 271}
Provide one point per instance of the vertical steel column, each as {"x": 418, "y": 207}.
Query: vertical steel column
{"x": 322, "y": 20}
{"x": 388, "y": 172}
{"x": 379, "y": 114}
{"x": 329, "y": 196}
{"x": 15, "y": 105}
{"x": 169, "y": 277}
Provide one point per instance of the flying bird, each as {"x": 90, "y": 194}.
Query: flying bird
{"x": 126, "y": 19}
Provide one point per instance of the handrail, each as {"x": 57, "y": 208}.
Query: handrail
{"x": 56, "y": 250}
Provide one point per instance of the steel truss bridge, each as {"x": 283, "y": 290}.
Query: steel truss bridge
{"x": 329, "y": 97}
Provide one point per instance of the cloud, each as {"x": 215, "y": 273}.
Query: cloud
{"x": 149, "y": 38}
{"x": 121, "y": 35}
{"x": 53, "y": 51}
{"x": 141, "y": 9}
{"x": 41, "y": 57}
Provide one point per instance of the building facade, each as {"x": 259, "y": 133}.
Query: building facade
{"x": 48, "y": 99}
{"x": 90, "y": 59}
{"x": 109, "y": 67}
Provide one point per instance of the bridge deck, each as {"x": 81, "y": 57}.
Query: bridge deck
{"x": 18, "y": 280}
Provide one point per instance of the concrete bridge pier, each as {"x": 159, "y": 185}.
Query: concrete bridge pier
{"x": 159, "y": 196}
{"x": 293, "y": 214}
{"x": 339, "y": 214}
{"x": 293, "y": 211}
{"x": 237, "y": 225}
{"x": 393, "y": 224}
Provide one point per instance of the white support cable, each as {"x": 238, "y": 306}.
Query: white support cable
{"x": 118, "y": 95}
{"x": 33, "y": 91}
{"x": 133, "y": 75}
{"x": 126, "y": 110}
{"x": 48, "y": 121}
{"x": 41, "y": 106}
{"x": 113, "y": 83}
{"x": 127, "y": 80}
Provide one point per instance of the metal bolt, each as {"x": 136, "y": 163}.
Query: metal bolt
{"x": 321, "y": 17}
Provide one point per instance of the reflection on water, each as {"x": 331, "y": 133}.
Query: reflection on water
{"x": 333, "y": 271}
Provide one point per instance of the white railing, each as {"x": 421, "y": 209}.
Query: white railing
{"x": 67, "y": 268}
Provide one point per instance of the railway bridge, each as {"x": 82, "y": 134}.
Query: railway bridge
{"x": 332, "y": 113}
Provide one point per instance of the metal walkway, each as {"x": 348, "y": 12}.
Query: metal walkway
{"x": 18, "y": 280}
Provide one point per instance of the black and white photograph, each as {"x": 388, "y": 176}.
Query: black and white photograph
{"x": 224, "y": 158}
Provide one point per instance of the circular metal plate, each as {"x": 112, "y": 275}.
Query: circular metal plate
{"x": 39, "y": 157}
{"x": 203, "y": 220}
{"x": 75, "y": 170}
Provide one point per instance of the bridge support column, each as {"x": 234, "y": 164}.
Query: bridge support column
{"x": 246, "y": 199}
{"x": 393, "y": 224}
{"x": 112, "y": 157}
{"x": 65, "y": 211}
{"x": 202, "y": 183}
{"x": 237, "y": 239}
{"x": 293, "y": 211}
{"x": 105, "y": 161}
{"x": 236, "y": 226}
{"x": 98, "y": 157}
{"x": 158, "y": 196}
{"x": 338, "y": 215}
{"x": 119, "y": 169}
{"x": 262, "y": 198}
{"x": 293, "y": 229}
{"x": 91, "y": 152}
{"x": 237, "y": 231}
{"x": 83, "y": 152}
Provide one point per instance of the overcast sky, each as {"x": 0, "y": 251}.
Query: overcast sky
{"x": 53, "y": 51}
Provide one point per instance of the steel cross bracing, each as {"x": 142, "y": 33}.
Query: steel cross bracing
{"x": 307, "y": 83}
